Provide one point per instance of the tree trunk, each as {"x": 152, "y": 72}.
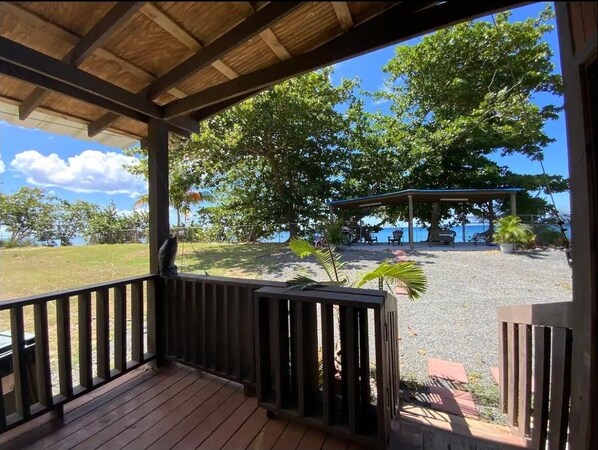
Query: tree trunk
{"x": 435, "y": 217}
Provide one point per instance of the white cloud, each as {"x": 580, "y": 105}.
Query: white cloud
{"x": 2, "y": 166}
{"x": 90, "y": 171}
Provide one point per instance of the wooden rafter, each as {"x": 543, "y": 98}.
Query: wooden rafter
{"x": 21, "y": 62}
{"x": 230, "y": 40}
{"x": 343, "y": 15}
{"x": 268, "y": 36}
{"x": 155, "y": 14}
{"x": 369, "y": 36}
{"x": 40, "y": 23}
{"x": 114, "y": 19}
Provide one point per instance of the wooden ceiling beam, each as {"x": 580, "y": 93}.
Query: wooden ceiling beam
{"x": 40, "y": 23}
{"x": 114, "y": 19}
{"x": 21, "y": 62}
{"x": 268, "y": 36}
{"x": 401, "y": 22}
{"x": 209, "y": 111}
{"x": 230, "y": 40}
{"x": 155, "y": 14}
{"x": 343, "y": 15}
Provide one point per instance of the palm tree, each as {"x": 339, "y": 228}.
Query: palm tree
{"x": 181, "y": 201}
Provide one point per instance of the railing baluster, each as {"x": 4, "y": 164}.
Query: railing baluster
{"x": 364, "y": 362}
{"x": 328, "y": 363}
{"x": 248, "y": 345}
{"x": 137, "y": 321}
{"x": 63, "y": 324}
{"x": 525, "y": 360}
{"x": 503, "y": 366}
{"x": 193, "y": 322}
{"x": 223, "y": 327}
{"x": 541, "y": 385}
{"x": 42, "y": 355}
{"x": 155, "y": 301}
{"x": 103, "y": 333}
{"x": 279, "y": 331}
{"x": 213, "y": 326}
{"x": 558, "y": 412}
{"x": 19, "y": 362}
{"x": 263, "y": 360}
{"x": 307, "y": 353}
{"x": 2, "y": 410}
{"x": 181, "y": 320}
{"x": 513, "y": 358}
{"x": 351, "y": 368}
{"x": 235, "y": 319}
{"x": 379, "y": 336}
{"x": 204, "y": 325}
{"x": 120, "y": 328}
{"x": 84, "y": 312}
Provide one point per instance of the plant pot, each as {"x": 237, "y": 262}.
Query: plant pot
{"x": 507, "y": 248}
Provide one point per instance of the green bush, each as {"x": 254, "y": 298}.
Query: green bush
{"x": 334, "y": 233}
{"x": 546, "y": 235}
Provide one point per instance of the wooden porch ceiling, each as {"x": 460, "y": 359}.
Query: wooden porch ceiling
{"x": 116, "y": 65}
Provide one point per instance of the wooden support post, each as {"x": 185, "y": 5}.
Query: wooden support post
{"x": 411, "y": 244}
{"x": 157, "y": 144}
{"x": 513, "y": 204}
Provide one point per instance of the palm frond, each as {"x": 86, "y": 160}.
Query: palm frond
{"x": 141, "y": 201}
{"x": 407, "y": 273}
{"x": 328, "y": 259}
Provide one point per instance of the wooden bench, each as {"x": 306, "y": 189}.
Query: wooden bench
{"x": 441, "y": 237}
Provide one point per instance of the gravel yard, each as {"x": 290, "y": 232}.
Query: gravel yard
{"x": 456, "y": 319}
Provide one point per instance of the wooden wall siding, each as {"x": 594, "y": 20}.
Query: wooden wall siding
{"x": 72, "y": 357}
{"x": 288, "y": 346}
{"x": 307, "y": 27}
{"x": 78, "y": 17}
{"x": 584, "y": 22}
{"x": 535, "y": 371}
{"x": 148, "y": 45}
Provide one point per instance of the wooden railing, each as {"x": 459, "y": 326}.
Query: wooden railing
{"x": 68, "y": 353}
{"x": 535, "y": 371}
{"x": 210, "y": 324}
{"x": 300, "y": 336}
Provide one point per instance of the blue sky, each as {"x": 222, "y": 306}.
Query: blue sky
{"x": 73, "y": 169}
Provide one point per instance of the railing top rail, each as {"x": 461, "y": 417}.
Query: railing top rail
{"x": 546, "y": 314}
{"x": 330, "y": 295}
{"x": 241, "y": 282}
{"x": 36, "y": 299}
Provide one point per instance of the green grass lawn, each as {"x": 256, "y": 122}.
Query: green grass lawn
{"x": 38, "y": 270}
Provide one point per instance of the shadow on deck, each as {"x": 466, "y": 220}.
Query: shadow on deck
{"x": 175, "y": 407}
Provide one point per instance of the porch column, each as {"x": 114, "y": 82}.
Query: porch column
{"x": 157, "y": 147}
{"x": 513, "y": 204}
{"x": 411, "y": 243}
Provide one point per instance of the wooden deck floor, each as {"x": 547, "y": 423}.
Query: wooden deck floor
{"x": 176, "y": 407}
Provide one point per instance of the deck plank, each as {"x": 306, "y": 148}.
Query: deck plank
{"x": 236, "y": 420}
{"x": 247, "y": 433}
{"x": 178, "y": 432}
{"x": 105, "y": 428}
{"x": 176, "y": 407}
{"x": 140, "y": 425}
{"x": 201, "y": 432}
{"x": 162, "y": 378}
{"x": 161, "y": 428}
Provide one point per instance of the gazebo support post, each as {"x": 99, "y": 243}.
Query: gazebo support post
{"x": 411, "y": 243}
{"x": 513, "y": 205}
{"x": 157, "y": 145}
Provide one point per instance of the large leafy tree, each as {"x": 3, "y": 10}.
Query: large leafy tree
{"x": 459, "y": 97}
{"x": 279, "y": 156}
{"x": 27, "y": 213}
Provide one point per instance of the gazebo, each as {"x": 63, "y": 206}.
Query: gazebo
{"x": 411, "y": 196}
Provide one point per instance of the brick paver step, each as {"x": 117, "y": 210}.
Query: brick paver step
{"x": 447, "y": 370}
{"x": 453, "y": 402}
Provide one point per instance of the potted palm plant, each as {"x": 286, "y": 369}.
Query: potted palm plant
{"x": 510, "y": 232}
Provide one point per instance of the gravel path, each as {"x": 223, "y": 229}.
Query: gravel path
{"x": 456, "y": 319}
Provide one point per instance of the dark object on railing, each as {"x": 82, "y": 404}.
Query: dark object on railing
{"x": 210, "y": 324}
{"x": 7, "y": 371}
{"x": 288, "y": 380}
{"x": 535, "y": 386}
{"x": 33, "y": 381}
{"x": 166, "y": 256}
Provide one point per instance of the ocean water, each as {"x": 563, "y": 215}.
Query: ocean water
{"x": 419, "y": 234}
